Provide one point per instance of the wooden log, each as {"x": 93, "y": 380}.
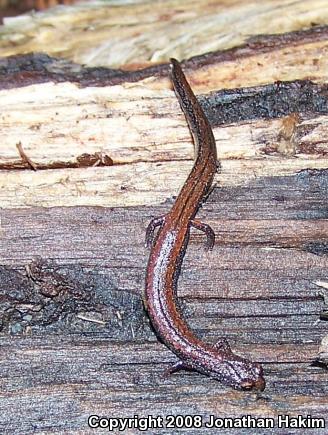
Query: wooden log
{"x": 135, "y": 35}
{"x": 93, "y": 118}
{"x": 87, "y": 157}
{"x": 80, "y": 328}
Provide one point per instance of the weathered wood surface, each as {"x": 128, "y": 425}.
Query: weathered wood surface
{"x": 114, "y": 146}
{"x": 139, "y": 33}
{"x": 70, "y": 118}
{"x": 76, "y": 340}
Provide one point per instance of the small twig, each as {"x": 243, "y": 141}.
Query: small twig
{"x": 25, "y": 158}
{"x": 89, "y": 319}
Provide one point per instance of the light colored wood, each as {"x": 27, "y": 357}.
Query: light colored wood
{"x": 116, "y": 187}
{"x": 145, "y": 134}
{"x": 139, "y": 125}
{"x": 133, "y": 123}
{"x": 144, "y": 32}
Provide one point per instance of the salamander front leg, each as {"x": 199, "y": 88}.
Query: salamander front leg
{"x": 174, "y": 368}
{"x": 210, "y": 235}
{"x": 179, "y": 365}
{"x": 154, "y": 223}
{"x": 223, "y": 345}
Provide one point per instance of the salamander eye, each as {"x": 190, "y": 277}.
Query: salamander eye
{"x": 247, "y": 385}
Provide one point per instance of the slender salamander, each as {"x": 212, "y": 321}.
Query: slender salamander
{"x": 167, "y": 252}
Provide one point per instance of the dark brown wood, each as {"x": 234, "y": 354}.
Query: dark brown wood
{"x": 31, "y": 68}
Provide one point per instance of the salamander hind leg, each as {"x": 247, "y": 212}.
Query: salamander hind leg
{"x": 153, "y": 224}
{"x": 210, "y": 235}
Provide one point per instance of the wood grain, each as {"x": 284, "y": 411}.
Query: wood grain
{"x": 261, "y": 287}
{"x": 89, "y": 154}
{"x": 135, "y": 34}
{"x": 127, "y": 127}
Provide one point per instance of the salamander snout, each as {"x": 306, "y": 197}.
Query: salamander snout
{"x": 256, "y": 381}
{"x": 259, "y": 384}
{"x": 240, "y": 373}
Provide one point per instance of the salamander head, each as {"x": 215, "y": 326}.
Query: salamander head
{"x": 248, "y": 375}
{"x": 239, "y": 373}
{"x": 231, "y": 369}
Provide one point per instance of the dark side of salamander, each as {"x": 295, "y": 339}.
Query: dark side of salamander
{"x": 168, "y": 248}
